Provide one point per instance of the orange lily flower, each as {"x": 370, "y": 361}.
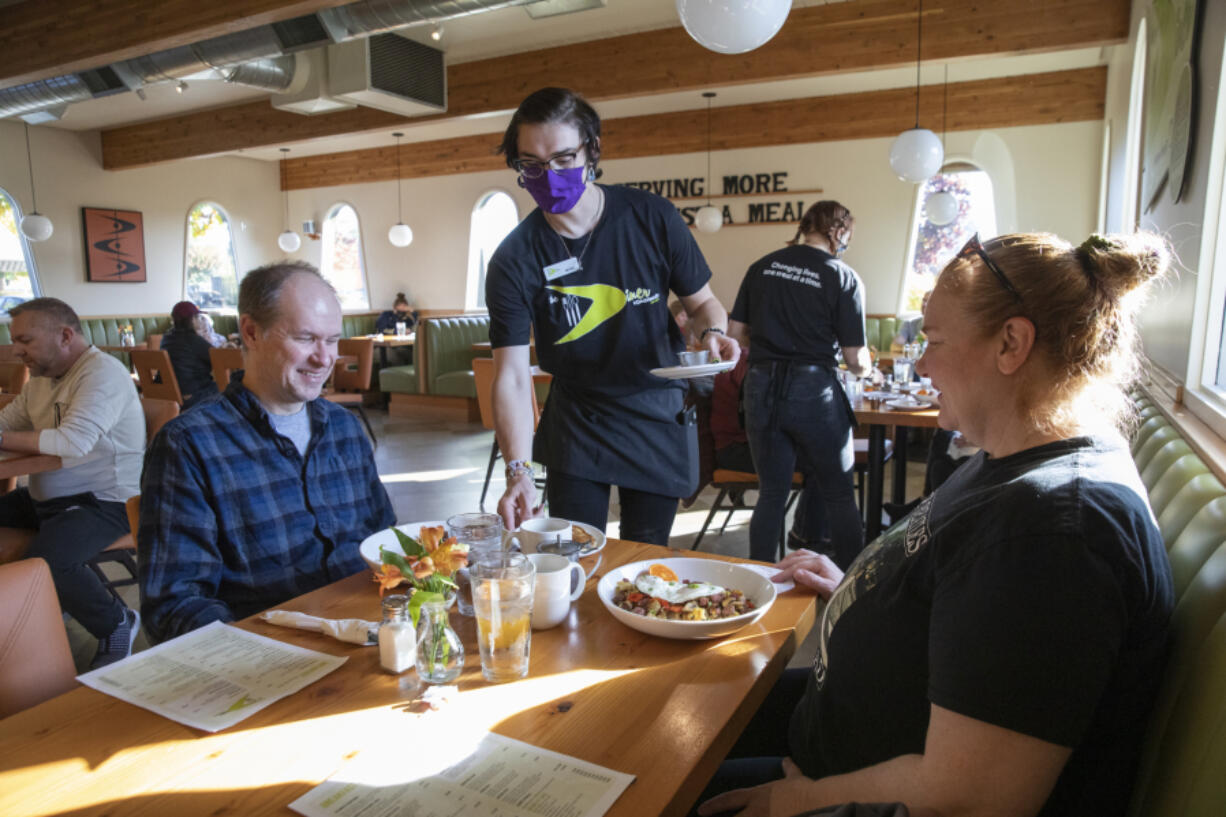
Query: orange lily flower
{"x": 387, "y": 577}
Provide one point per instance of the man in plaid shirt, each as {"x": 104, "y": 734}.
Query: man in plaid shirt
{"x": 265, "y": 491}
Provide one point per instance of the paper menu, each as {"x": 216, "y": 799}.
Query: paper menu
{"x": 500, "y": 777}
{"x": 213, "y": 677}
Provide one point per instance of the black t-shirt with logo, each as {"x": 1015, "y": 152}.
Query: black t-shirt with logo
{"x": 599, "y": 331}
{"x": 801, "y": 304}
{"x": 1031, "y": 592}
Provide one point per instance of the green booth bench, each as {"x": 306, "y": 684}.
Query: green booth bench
{"x": 442, "y": 376}
{"x": 1184, "y": 758}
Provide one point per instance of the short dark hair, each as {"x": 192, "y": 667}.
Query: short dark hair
{"x": 259, "y": 295}
{"x": 554, "y": 105}
{"x": 54, "y": 309}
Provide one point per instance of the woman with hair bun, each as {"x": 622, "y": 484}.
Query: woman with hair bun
{"x": 796, "y": 309}
{"x": 401, "y": 312}
{"x": 997, "y": 651}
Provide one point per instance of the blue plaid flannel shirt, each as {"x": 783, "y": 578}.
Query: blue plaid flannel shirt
{"x": 233, "y": 520}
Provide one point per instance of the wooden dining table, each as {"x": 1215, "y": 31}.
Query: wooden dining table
{"x": 878, "y": 417}
{"x": 663, "y": 710}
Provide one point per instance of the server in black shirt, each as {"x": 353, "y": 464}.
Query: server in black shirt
{"x": 796, "y": 308}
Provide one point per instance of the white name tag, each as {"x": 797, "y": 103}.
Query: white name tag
{"x": 555, "y": 271}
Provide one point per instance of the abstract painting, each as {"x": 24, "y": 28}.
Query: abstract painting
{"x": 114, "y": 245}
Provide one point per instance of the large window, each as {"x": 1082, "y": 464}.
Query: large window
{"x": 211, "y": 265}
{"x": 343, "y": 264}
{"x": 935, "y": 244}
{"x": 18, "y": 276}
{"x": 494, "y": 216}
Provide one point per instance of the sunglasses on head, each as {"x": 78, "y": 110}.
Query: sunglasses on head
{"x": 974, "y": 248}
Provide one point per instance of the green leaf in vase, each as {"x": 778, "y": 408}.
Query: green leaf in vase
{"x": 409, "y": 545}
{"x": 419, "y": 598}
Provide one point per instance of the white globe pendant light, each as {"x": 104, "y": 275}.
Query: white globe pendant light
{"x": 732, "y": 26}
{"x": 400, "y": 234}
{"x": 917, "y": 153}
{"x": 709, "y": 218}
{"x": 35, "y": 226}
{"x": 941, "y": 208}
{"x": 288, "y": 241}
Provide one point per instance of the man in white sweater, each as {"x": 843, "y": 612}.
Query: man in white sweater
{"x": 81, "y": 405}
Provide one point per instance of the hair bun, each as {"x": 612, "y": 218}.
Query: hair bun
{"x": 1123, "y": 262}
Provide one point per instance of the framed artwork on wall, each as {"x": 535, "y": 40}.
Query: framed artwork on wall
{"x": 114, "y": 245}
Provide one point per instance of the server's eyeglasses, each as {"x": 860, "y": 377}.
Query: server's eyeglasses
{"x": 974, "y": 248}
{"x": 533, "y": 169}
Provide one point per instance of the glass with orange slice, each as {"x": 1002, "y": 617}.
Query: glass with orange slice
{"x": 503, "y": 589}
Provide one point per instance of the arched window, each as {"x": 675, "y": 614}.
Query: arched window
{"x": 494, "y": 216}
{"x": 211, "y": 267}
{"x": 18, "y": 275}
{"x": 936, "y": 244}
{"x": 343, "y": 264}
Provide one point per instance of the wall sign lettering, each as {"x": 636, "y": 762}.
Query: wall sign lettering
{"x": 780, "y": 211}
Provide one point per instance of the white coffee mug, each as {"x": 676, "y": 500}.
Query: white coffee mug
{"x": 532, "y": 532}
{"x": 555, "y": 577}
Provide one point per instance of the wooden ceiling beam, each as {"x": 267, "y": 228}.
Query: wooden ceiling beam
{"x": 1032, "y": 99}
{"x": 818, "y": 40}
{"x": 47, "y": 38}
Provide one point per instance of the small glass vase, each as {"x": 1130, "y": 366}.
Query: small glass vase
{"x": 440, "y": 653}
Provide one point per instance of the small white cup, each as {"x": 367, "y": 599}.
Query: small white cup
{"x": 555, "y": 577}
{"x": 532, "y": 532}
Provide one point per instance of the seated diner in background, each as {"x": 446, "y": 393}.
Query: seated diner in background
{"x": 401, "y": 312}
{"x": 81, "y": 405}
{"x": 998, "y": 651}
{"x": 189, "y": 354}
{"x": 265, "y": 493}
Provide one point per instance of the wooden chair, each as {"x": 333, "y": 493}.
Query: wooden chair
{"x": 225, "y": 361}
{"x": 123, "y": 550}
{"x": 155, "y": 374}
{"x": 483, "y": 379}
{"x": 35, "y": 659}
{"x": 351, "y": 377}
{"x": 154, "y": 341}
{"x": 13, "y": 376}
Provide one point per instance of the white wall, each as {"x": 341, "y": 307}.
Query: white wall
{"x": 68, "y": 174}
{"x": 1046, "y": 176}
{"x": 1046, "y": 179}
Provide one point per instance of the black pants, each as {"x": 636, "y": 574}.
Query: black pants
{"x": 757, "y": 757}
{"x": 71, "y": 531}
{"x": 645, "y": 517}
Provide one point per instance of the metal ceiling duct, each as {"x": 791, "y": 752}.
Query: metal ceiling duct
{"x": 254, "y": 57}
{"x": 378, "y": 16}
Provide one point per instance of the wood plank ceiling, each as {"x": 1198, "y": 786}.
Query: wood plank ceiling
{"x": 818, "y": 40}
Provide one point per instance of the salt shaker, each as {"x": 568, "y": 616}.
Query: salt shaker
{"x": 397, "y": 638}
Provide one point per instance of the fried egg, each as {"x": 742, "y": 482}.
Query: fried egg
{"x": 674, "y": 592}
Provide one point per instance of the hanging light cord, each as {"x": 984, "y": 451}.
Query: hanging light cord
{"x": 709, "y": 150}
{"x": 919, "y": 50}
{"x": 30, "y": 165}
{"x": 945, "y": 108}
{"x": 399, "y": 214}
{"x": 285, "y": 196}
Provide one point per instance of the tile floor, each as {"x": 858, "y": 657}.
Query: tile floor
{"x": 433, "y": 465}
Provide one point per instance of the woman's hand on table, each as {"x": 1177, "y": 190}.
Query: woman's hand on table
{"x": 810, "y": 570}
{"x": 518, "y": 501}
{"x": 775, "y": 799}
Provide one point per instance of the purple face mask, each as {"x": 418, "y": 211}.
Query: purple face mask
{"x": 557, "y": 191}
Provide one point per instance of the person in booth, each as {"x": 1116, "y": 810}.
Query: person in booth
{"x": 998, "y": 651}
{"x": 797, "y": 307}
{"x": 588, "y": 273}
{"x": 81, "y": 405}
{"x": 401, "y": 312}
{"x": 189, "y": 355}
{"x": 265, "y": 493}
